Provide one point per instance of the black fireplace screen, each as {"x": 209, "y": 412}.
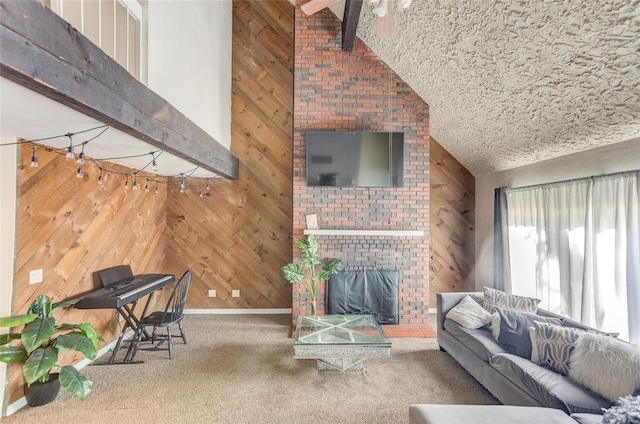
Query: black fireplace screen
{"x": 372, "y": 292}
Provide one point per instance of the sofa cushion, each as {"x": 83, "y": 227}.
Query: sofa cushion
{"x": 587, "y": 418}
{"x": 555, "y": 344}
{"x": 547, "y": 387}
{"x": 500, "y": 299}
{"x": 514, "y": 330}
{"x": 606, "y": 365}
{"x": 469, "y": 314}
{"x": 479, "y": 340}
{"x": 489, "y": 414}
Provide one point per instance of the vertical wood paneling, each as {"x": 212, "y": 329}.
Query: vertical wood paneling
{"x": 71, "y": 228}
{"x": 452, "y": 224}
{"x": 238, "y": 235}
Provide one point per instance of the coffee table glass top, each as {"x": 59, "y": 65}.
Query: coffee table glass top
{"x": 339, "y": 330}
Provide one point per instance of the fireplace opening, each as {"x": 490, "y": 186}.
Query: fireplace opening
{"x": 372, "y": 291}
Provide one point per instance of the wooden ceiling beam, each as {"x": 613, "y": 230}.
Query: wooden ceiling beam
{"x": 42, "y": 52}
{"x": 314, "y": 6}
{"x": 350, "y": 21}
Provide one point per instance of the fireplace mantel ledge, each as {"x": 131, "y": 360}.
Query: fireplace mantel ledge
{"x": 395, "y": 233}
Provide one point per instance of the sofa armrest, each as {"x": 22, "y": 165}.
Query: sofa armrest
{"x": 446, "y": 301}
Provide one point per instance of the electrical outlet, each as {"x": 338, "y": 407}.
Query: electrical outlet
{"x": 35, "y": 276}
{"x": 212, "y": 293}
{"x": 235, "y": 293}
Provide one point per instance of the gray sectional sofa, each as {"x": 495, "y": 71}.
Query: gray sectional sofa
{"x": 513, "y": 380}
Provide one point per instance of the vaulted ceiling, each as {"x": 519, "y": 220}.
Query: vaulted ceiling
{"x": 513, "y": 82}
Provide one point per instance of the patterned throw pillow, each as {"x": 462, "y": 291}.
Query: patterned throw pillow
{"x": 514, "y": 330}
{"x": 500, "y": 299}
{"x": 555, "y": 345}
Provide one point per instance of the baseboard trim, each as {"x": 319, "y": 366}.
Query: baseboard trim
{"x": 22, "y": 402}
{"x": 267, "y": 311}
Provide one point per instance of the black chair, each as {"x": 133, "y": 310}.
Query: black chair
{"x": 114, "y": 274}
{"x": 172, "y": 315}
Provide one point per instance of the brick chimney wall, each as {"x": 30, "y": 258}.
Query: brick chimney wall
{"x": 356, "y": 91}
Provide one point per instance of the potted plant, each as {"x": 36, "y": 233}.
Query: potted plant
{"x": 41, "y": 342}
{"x": 308, "y": 268}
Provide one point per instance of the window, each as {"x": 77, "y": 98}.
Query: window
{"x": 576, "y": 246}
{"x": 112, "y": 25}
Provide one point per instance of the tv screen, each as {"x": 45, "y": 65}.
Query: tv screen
{"x": 354, "y": 159}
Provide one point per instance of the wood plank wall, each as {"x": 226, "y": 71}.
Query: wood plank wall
{"x": 70, "y": 228}
{"x": 238, "y": 235}
{"x": 452, "y": 224}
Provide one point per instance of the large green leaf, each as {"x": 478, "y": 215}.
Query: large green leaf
{"x": 293, "y": 273}
{"x": 74, "y": 382}
{"x": 12, "y": 354}
{"x": 38, "y": 333}
{"x": 79, "y": 342}
{"x": 17, "y": 320}
{"x": 331, "y": 267}
{"x": 65, "y": 304}
{"x": 90, "y": 332}
{"x": 41, "y": 306}
{"x": 308, "y": 251}
{"x": 39, "y": 363}
{"x": 8, "y": 338}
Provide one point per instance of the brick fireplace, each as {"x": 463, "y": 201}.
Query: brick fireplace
{"x": 357, "y": 91}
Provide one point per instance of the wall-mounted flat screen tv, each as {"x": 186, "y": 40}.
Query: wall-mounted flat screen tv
{"x": 354, "y": 159}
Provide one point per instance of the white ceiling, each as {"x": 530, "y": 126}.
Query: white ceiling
{"x": 513, "y": 82}
{"x": 508, "y": 82}
{"x": 31, "y": 116}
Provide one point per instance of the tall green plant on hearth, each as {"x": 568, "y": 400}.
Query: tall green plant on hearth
{"x": 309, "y": 268}
{"x": 41, "y": 342}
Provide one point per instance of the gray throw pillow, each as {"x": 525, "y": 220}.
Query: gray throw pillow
{"x": 514, "y": 330}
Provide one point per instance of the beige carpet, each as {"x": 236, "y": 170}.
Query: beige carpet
{"x": 240, "y": 369}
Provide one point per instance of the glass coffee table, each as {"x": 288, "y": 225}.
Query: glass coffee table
{"x": 340, "y": 342}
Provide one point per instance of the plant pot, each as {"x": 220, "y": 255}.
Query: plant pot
{"x": 42, "y": 393}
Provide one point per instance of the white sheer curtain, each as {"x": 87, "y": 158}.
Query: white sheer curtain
{"x": 616, "y": 254}
{"x": 576, "y": 246}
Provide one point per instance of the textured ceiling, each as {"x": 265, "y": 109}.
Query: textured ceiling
{"x": 513, "y": 82}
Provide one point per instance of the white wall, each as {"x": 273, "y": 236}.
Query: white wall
{"x": 8, "y": 192}
{"x": 189, "y": 60}
{"x": 618, "y": 157}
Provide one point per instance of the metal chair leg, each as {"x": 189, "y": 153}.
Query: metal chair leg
{"x": 136, "y": 343}
{"x": 169, "y": 341}
{"x": 184, "y": 336}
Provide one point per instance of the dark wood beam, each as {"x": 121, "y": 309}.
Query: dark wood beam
{"x": 350, "y": 23}
{"x": 42, "y": 52}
